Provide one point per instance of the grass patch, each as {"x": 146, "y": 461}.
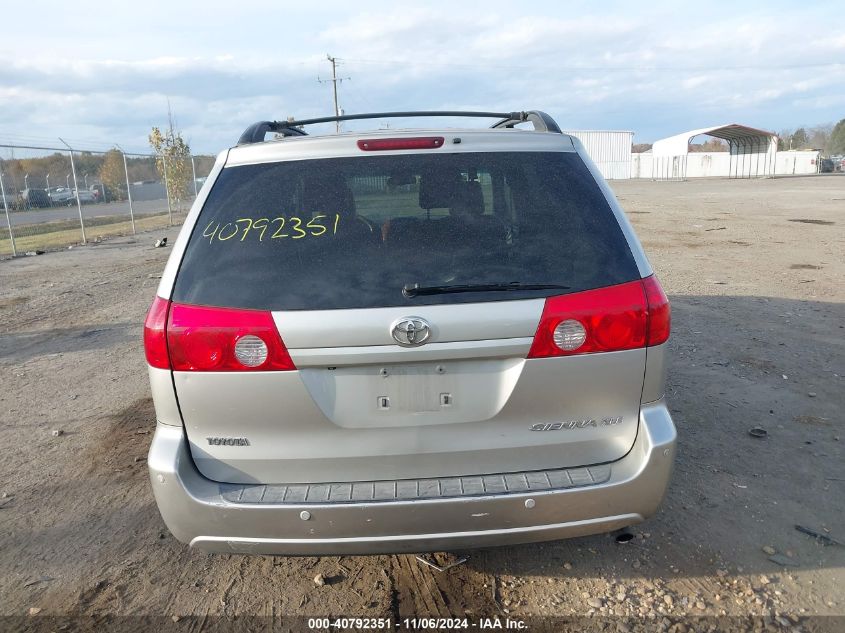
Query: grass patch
{"x": 55, "y": 235}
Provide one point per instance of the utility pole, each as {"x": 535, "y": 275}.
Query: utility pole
{"x": 334, "y": 81}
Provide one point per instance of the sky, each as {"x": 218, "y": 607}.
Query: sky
{"x": 99, "y": 75}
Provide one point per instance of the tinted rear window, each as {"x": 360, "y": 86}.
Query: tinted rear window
{"x": 352, "y": 232}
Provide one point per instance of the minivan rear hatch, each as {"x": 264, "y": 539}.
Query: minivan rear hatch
{"x": 407, "y": 290}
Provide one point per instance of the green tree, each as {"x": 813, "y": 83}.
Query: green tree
{"x": 837, "y": 138}
{"x": 173, "y": 162}
{"x": 800, "y": 139}
{"x": 113, "y": 175}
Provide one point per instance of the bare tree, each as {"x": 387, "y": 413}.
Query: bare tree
{"x": 173, "y": 161}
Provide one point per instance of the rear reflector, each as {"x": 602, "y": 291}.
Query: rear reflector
{"x": 384, "y": 144}
{"x": 627, "y": 316}
{"x": 224, "y": 339}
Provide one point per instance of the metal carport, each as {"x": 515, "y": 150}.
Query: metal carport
{"x": 752, "y": 151}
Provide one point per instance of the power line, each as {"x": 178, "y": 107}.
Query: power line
{"x": 496, "y": 65}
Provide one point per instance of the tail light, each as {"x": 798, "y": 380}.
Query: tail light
{"x": 627, "y": 316}
{"x": 155, "y": 340}
{"x": 659, "y": 312}
{"x": 198, "y": 338}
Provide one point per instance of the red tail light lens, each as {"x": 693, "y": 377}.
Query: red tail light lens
{"x": 659, "y": 312}
{"x": 627, "y": 316}
{"x": 613, "y": 319}
{"x": 384, "y": 144}
{"x": 224, "y": 339}
{"x": 155, "y": 341}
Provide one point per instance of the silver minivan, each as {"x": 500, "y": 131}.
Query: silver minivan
{"x": 406, "y": 341}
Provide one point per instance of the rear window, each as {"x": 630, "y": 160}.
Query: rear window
{"x": 352, "y": 232}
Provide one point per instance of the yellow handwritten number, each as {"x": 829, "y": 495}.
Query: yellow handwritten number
{"x": 228, "y": 231}
{"x": 246, "y": 228}
{"x": 228, "y": 237}
{"x": 211, "y": 235}
{"x": 313, "y": 224}
{"x": 262, "y": 227}
{"x": 278, "y": 232}
{"x": 297, "y": 227}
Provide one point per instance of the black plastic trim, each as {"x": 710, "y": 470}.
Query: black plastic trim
{"x": 256, "y": 132}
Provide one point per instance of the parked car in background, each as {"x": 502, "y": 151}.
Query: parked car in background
{"x": 102, "y": 193}
{"x": 7, "y": 200}
{"x": 85, "y": 196}
{"x": 59, "y": 195}
{"x": 33, "y": 199}
{"x": 826, "y": 166}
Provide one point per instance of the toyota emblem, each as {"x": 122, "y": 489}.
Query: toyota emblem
{"x": 411, "y": 331}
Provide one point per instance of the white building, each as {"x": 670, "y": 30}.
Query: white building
{"x": 610, "y": 150}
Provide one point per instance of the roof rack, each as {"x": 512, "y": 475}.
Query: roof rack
{"x": 256, "y": 132}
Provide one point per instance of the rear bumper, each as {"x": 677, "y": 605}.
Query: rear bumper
{"x": 197, "y": 513}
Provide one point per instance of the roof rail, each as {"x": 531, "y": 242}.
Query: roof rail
{"x": 542, "y": 121}
{"x": 256, "y": 132}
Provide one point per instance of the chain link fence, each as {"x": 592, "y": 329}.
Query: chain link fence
{"x": 54, "y": 197}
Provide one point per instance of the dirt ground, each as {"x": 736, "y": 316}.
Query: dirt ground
{"x": 756, "y": 275}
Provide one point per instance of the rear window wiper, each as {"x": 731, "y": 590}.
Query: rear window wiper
{"x": 415, "y": 290}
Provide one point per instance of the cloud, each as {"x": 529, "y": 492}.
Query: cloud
{"x": 655, "y": 69}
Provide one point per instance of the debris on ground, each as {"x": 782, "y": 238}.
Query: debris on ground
{"x": 33, "y": 253}
{"x": 441, "y": 568}
{"x": 758, "y": 432}
{"x": 34, "y": 610}
{"x": 58, "y": 432}
{"x": 783, "y": 560}
{"x": 821, "y": 538}
{"x": 769, "y": 550}
{"x": 37, "y": 581}
{"x": 161, "y": 243}
{"x": 319, "y": 580}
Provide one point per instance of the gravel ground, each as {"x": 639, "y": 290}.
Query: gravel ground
{"x": 754, "y": 270}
